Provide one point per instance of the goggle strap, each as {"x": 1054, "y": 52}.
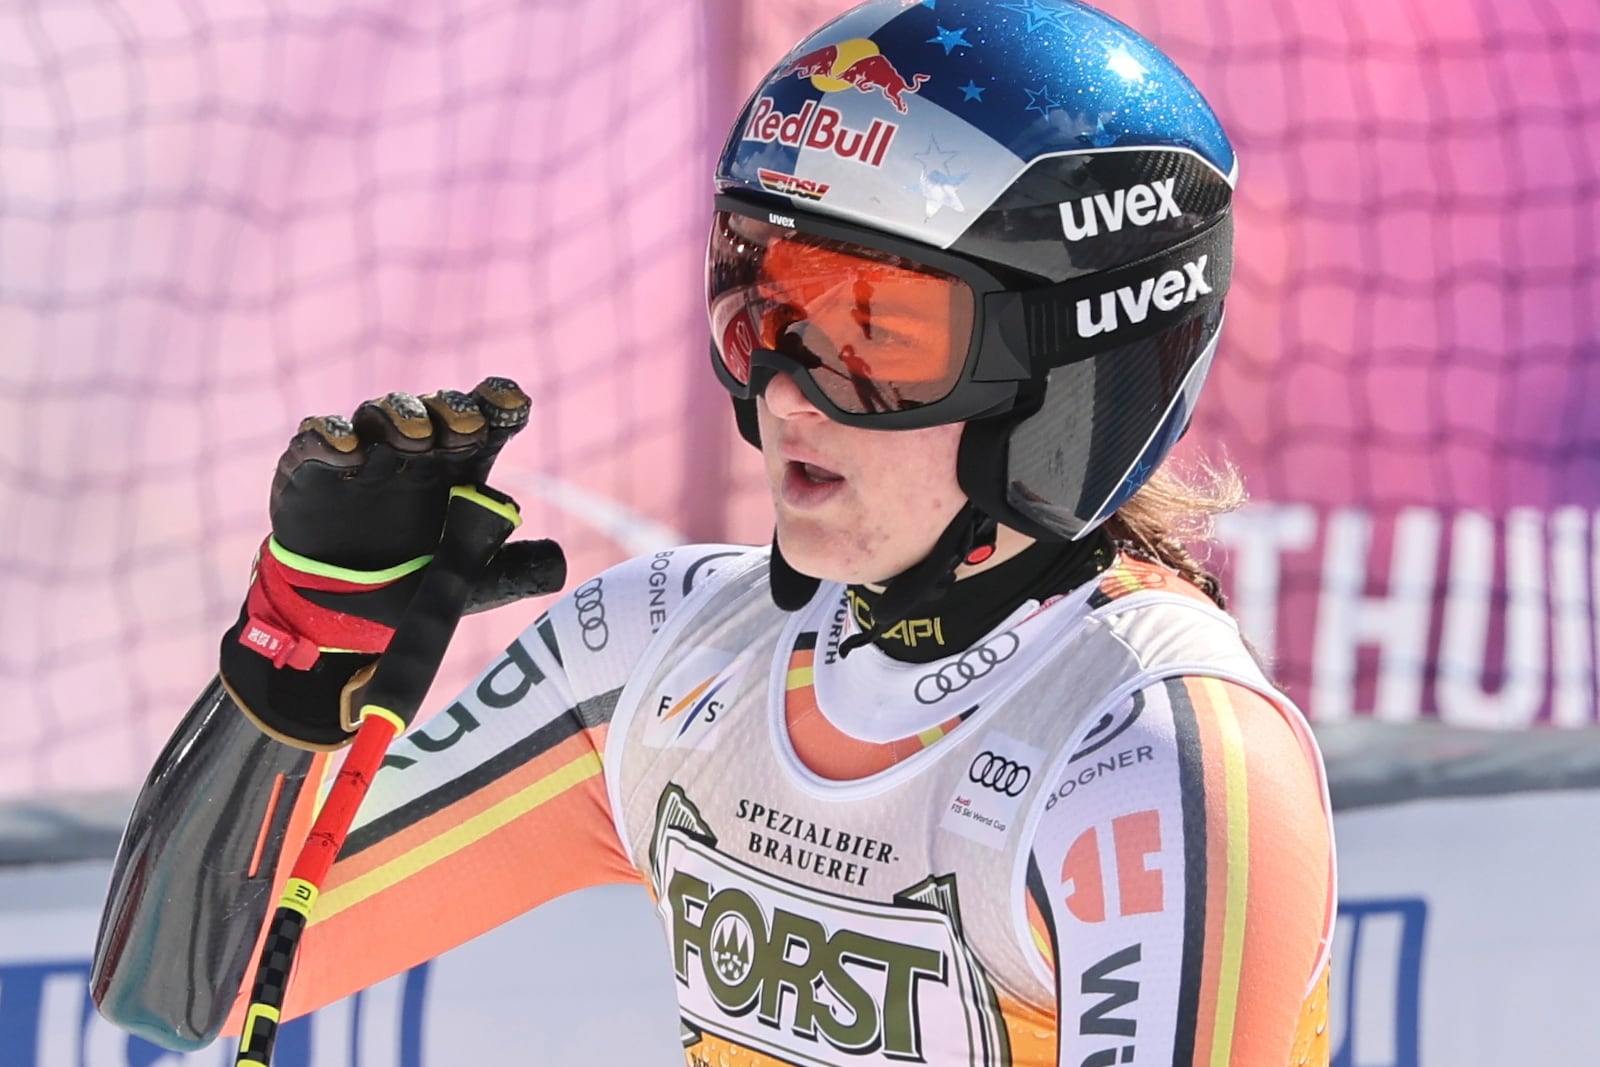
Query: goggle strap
{"x": 1080, "y": 318}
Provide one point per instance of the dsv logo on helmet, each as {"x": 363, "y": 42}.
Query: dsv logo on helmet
{"x": 973, "y": 664}
{"x": 591, "y": 608}
{"x": 1000, "y": 774}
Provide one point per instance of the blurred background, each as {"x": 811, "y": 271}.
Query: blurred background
{"x": 218, "y": 216}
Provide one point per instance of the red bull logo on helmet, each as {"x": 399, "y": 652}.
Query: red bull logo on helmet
{"x": 822, "y": 128}
{"x": 855, "y": 64}
{"x": 852, "y": 64}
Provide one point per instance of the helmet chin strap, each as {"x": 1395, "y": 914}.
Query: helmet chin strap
{"x": 790, "y": 589}
{"x": 969, "y": 538}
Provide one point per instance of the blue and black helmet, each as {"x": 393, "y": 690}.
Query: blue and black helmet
{"x": 1052, "y": 160}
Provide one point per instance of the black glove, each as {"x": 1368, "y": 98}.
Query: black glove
{"x": 357, "y": 509}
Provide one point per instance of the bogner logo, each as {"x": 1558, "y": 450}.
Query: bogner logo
{"x": 1129, "y": 306}
{"x": 1139, "y": 206}
{"x": 804, "y": 975}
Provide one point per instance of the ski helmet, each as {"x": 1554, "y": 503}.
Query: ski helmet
{"x": 1041, "y": 185}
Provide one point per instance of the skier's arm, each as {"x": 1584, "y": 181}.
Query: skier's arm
{"x": 1181, "y": 884}
{"x": 194, "y": 876}
{"x": 498, "y": 803}
{"x": 357, "y": 506}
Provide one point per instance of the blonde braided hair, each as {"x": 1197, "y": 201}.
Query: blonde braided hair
{"x": 1174, "y": 513}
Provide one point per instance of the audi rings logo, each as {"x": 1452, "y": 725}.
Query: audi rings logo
{"x": 1000, "y": 774}
{"x": 591, "y": 608}
{"x": 972, "y": 664}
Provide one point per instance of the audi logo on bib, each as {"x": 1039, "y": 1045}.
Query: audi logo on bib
{"x": 971, "y": 665}
{"x": 1000, "y": 774}
{"x": 591, "y": 608}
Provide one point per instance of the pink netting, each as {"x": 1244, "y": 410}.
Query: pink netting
{"x": 218, "y": 216}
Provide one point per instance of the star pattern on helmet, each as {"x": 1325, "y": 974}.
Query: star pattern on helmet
{"x": 1040, "y": 14}
{"x": 1041, "y": 101}
{"x": 937, "y": 185}
{"x": 950, "y": 39}
{"x": 934, "y": 158}
{"x": 971, "y": 91}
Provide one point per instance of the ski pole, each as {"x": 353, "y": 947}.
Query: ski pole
{"x": 477, "y": 522}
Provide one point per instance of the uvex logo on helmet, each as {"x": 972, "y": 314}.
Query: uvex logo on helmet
{"x": 1138, "y": 206}
{"x": 1129, "y": 305}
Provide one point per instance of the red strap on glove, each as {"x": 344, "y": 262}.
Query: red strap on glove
{"x": 286, "y": 628}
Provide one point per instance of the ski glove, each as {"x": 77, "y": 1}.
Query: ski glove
{"x": 357, "y": 508}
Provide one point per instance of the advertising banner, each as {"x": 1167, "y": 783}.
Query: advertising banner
{"x": 1465, "y": 938}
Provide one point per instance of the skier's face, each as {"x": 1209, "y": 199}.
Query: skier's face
{"x": 854, "y": 505}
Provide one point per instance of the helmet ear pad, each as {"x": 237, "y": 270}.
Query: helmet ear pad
{"x": 982, "y": 460}
{"x": 1098, "y": 429}
{"x": 1017, "y": 469}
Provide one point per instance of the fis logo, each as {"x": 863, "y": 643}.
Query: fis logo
{"x": 1128, "y": 305}
{"x": 692, "y": 698}
{"x": 1139, "y": 206}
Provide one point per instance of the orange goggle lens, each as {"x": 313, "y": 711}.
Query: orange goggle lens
{"x": 874, "y": 331}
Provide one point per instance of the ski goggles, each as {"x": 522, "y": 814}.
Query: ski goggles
{"x": 885, "y": 333}
{"x": 872, "y": 334}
